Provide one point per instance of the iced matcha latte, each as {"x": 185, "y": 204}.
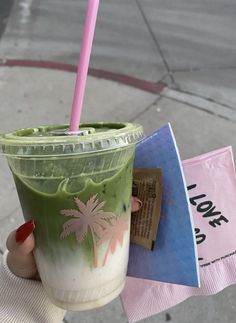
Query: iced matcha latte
{"x": 77, "y": 188}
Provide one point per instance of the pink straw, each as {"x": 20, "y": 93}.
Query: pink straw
{"x": 82, "y": 70}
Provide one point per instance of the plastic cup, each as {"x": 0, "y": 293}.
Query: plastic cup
{"x": 77, "y": 188}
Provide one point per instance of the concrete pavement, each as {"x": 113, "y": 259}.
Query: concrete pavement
{"x": 187, "y": 44}
{"x": 191, "y": 42}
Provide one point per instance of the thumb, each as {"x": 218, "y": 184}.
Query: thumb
{"x": 20, "y": 244}
{"x": 136, "y": 204}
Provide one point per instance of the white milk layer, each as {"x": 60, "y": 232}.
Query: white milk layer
{"x": 74, "y": 284}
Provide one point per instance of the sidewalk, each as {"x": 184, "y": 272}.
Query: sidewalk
{"x": 153, "y": 43}
{"x": 189, "y": 44}
{"x": 45, "y": 97}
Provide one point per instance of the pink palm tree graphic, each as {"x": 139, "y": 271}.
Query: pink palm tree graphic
{"x": 115, "y": 234}
{"x": 89, "y": 216}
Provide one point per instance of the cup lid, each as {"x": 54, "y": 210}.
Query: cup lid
{"x": 56, "y": 140}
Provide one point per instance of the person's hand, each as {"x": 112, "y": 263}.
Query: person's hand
{"x": 20, "y": 244}
{"x": 20, "y": 258}
{"x": 136, "y": 204}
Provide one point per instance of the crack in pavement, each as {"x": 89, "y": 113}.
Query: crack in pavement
{"x": 155, "y": 41}
{"x": 162, "y": 96}
{"x": 146, "y": 109}
{"x": 167, "y": 84}
{"x": 205, "y": 98}
{"x": 162, "y": 78}
{"x": 198, "y": 108}
{"x": 198, "y": 69}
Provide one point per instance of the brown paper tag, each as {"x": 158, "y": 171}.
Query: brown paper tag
{"x": 147, "y": 186}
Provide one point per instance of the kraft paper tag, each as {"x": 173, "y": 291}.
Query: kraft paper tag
{"x": 147, "y": 186}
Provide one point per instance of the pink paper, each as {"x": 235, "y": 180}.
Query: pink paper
{"x": 213, "y": 201}
{"x": 213, "y": 204}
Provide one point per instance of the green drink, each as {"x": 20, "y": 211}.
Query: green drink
{"x": 77, "y": 188}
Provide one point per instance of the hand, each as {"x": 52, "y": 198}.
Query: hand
{"x": 20, "y": 258}
{"x": 20, "y": 244}
{"x": 136, "y": 204}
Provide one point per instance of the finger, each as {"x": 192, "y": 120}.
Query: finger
{"x": 20, "y": 244}
{"x": 136, "y": 204}
{"x": 22, "y": 266}
{"x": 22, "y": 239}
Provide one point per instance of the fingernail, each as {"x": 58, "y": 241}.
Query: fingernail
{"x": 24, "y": 231}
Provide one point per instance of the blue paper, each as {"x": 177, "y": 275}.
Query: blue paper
{"x": 174, "y": 258}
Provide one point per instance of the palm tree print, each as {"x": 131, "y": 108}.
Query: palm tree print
{"x": 88, "y": 216}
{"x": 115, "y": 234}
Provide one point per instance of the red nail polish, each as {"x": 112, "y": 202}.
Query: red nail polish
{"x": 24, "y": 231}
